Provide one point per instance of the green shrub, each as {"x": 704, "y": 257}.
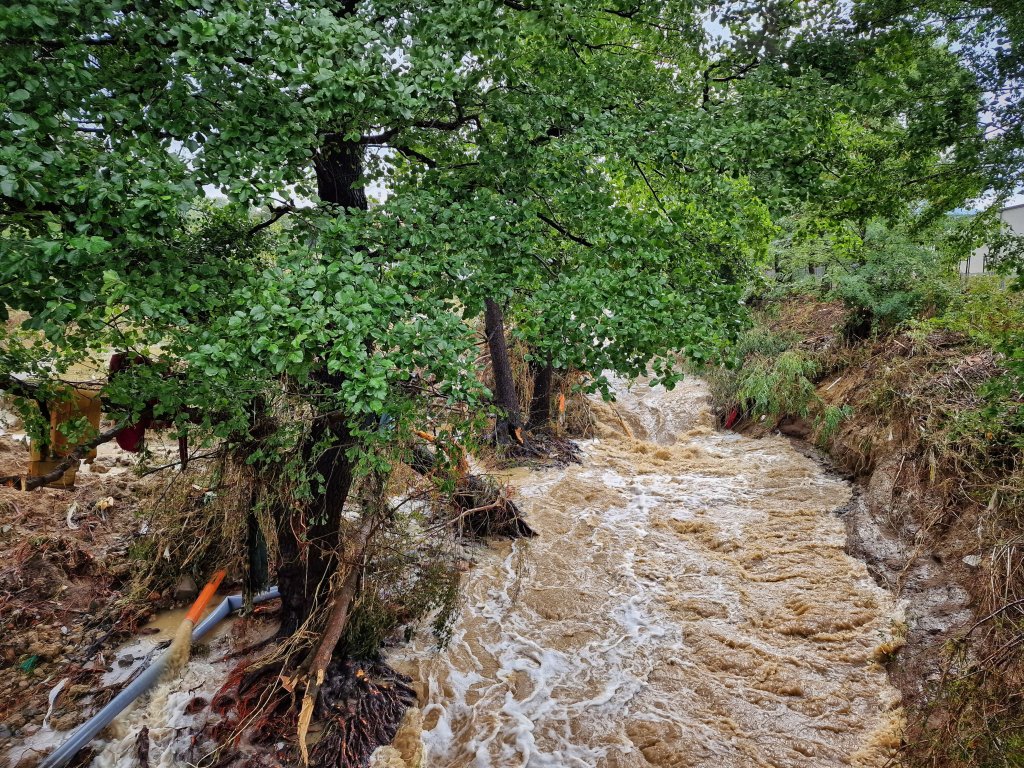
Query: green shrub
{"x": 768, "y": 377}
{"x": 782, "y": 386}
{"x": 985, "y": 310}
{"x": 992, "y": 315}
{"x": 757, "y": 342}
{"x": 764, "y": 342}
{"x": 895, "y": 279}
{"x": 829, "y": 420}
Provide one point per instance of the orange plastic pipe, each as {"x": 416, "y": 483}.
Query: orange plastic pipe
{"x": 196, "y": 611}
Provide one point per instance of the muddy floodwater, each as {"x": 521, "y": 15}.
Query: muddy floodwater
{"x": 687, "y": 603}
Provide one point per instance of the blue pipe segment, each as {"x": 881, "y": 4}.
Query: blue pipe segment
{"x": 88, "y": 730}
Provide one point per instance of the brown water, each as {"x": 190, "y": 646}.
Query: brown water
{"x": 687, "y": 603}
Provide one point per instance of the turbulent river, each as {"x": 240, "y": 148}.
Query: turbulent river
{"x": 687, "y": 603}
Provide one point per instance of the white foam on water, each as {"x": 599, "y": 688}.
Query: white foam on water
{"x": 687, "y": 603}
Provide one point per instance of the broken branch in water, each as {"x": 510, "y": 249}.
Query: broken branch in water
{"x": 475, "y": 497}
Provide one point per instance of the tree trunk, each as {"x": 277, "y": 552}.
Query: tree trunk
{"x": 339, "y": 173}
{"x": 309, "y": 539}
{"x": 540, "y": 403}
{"x": 508, "y": 427}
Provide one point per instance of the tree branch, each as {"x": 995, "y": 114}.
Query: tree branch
{"x": 739, "y": 73}
{"x": 379, "y": 138}
{"x": 649, "y": 187}
{"x": 622, "y": 14}
{"x": 564, "y": 232}
{"x": 27, "y": 483}
{"x": 412, "y": 153}
{"x": 547, "y": 267}
{"x": 276, "y": 214}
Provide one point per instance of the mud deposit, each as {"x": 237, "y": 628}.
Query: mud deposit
{"x": 688, "y": 603}
{"x": 164, "y": 726}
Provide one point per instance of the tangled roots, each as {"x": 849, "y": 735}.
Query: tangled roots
{"x": 361, "y": 704}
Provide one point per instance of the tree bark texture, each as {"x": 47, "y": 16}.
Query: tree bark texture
{"x": 508, "y": 427}
{"x": 540, "y": 403}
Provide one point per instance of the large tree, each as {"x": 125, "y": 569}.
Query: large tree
{"x": 600, "y": 177}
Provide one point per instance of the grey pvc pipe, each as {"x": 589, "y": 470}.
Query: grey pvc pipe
{"x": 88, "y": 730}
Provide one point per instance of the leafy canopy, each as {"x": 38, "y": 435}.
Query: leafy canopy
{"x": 610, "y": 172}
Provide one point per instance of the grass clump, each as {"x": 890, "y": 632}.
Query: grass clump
{"x": 830, "y": 419}
{"x": 781, "y": 386}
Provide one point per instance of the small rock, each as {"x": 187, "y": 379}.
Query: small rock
{"x": 972, "y": 561}
{"x": 98, "y": 469}
{"x": 186, "y": 588}
{"x": 66, "y": 721}
{"x": 44, "y": 650}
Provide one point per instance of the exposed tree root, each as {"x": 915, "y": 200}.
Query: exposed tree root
{"x": 359, "y": 709}
{"x": 362, "y": 704}
{"x": 548, "y": 450}
{"x": 485, "y": 510}
{"x": 482, "y": 506}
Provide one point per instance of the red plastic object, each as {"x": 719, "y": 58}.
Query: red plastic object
{"x": 732, "y": 418}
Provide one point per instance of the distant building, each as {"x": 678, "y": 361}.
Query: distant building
{"x": 976, "y": 264}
